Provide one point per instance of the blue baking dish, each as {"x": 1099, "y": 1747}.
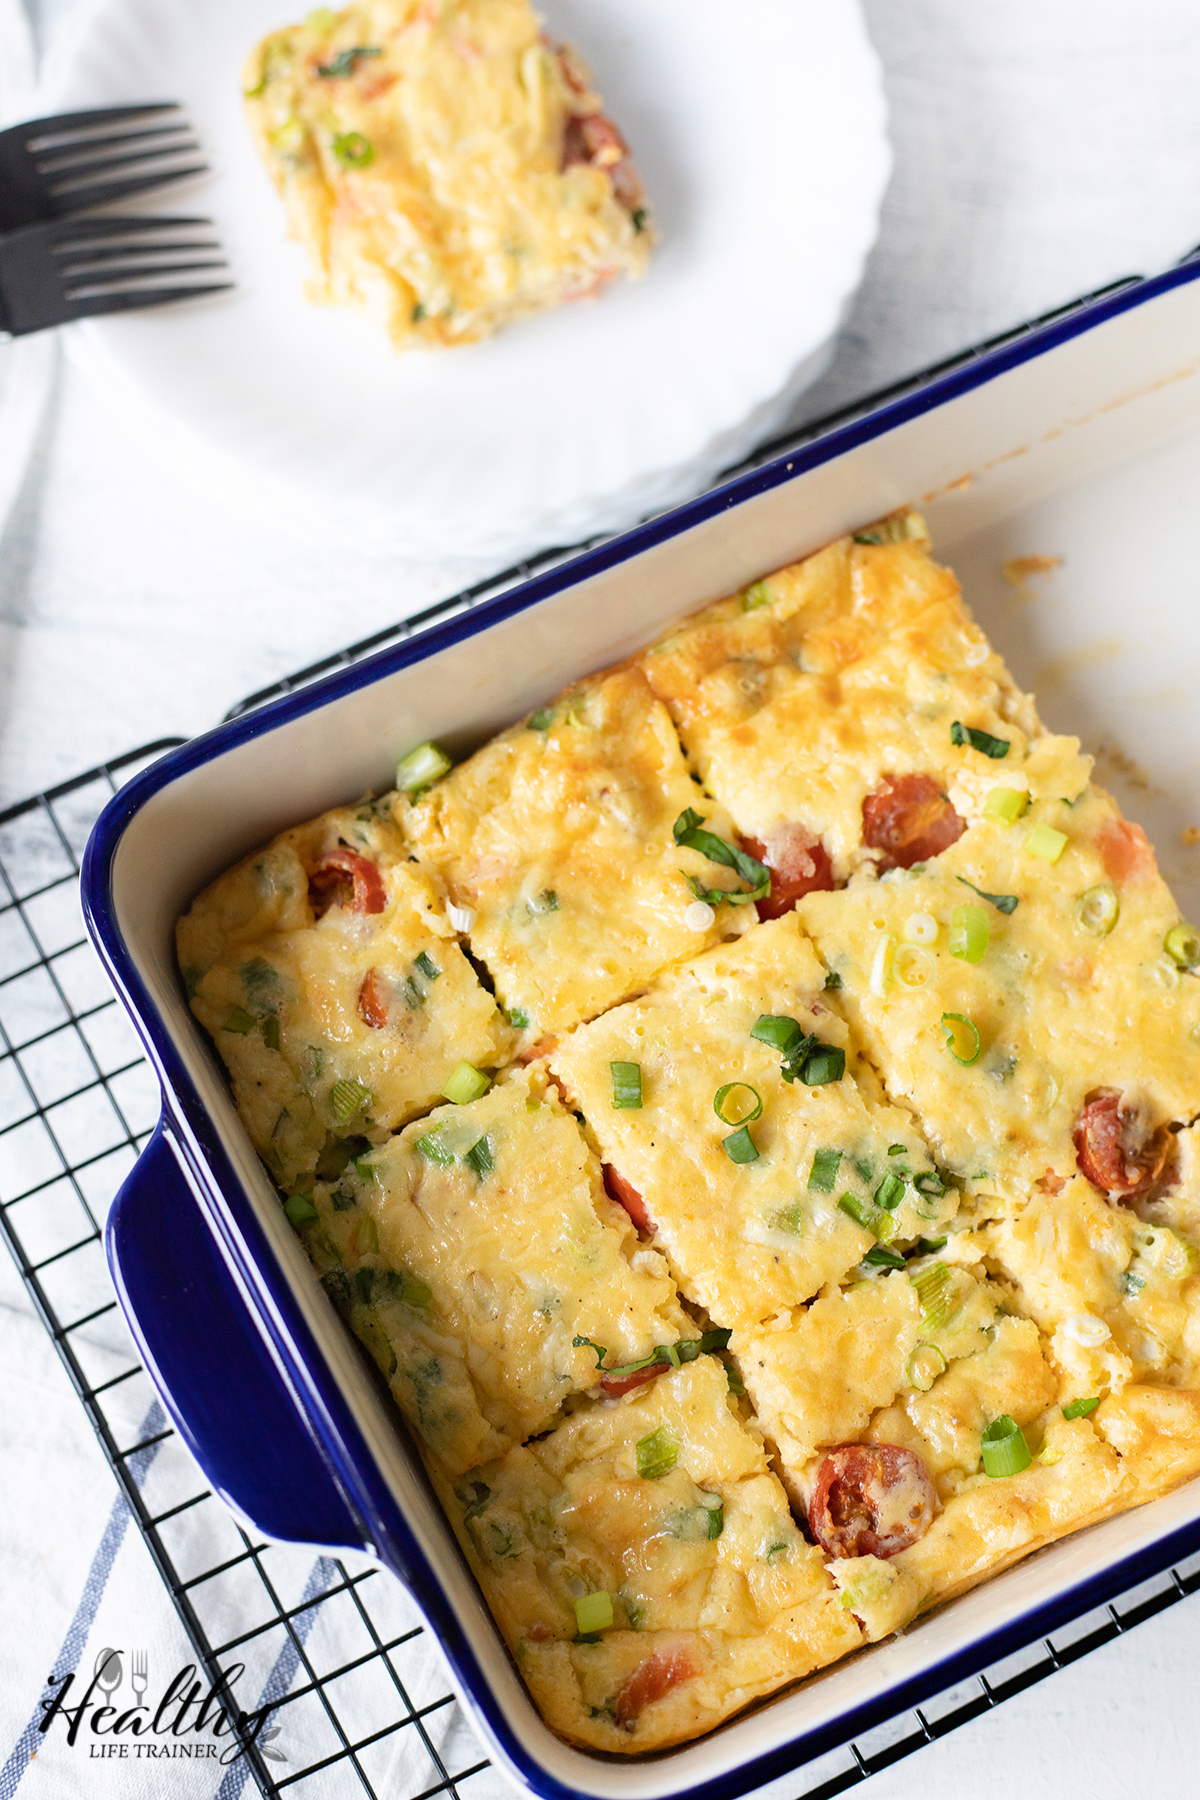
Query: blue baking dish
{"x": 1085, "y": 429}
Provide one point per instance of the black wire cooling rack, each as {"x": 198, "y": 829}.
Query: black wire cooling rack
{"x": 361, "y": 1703}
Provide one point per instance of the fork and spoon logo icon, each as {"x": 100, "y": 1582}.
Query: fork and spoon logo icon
{"x": 110, "y": 1673}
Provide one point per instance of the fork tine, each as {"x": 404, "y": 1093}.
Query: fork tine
{"x": 34, "y": 129}
{"x": 67, "y": 230}
{"x": 60, "y": 155}
{"x": 79, "y": 281}
{"x": 131, "y": 301}
{"x": 105, "y": 192}
{"x": 64, "y": 175}
{"x": 69, "y": 260}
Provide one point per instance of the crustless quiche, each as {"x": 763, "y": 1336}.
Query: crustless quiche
{"x": 747, "y": 1111}
{"x": 446, "y": 167}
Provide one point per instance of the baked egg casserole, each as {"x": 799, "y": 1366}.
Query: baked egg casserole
{"x": 446, "y": 167}
{"x": 747, "y": 1113}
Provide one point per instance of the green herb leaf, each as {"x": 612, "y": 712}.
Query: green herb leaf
{"x": 980, "y": 740}
{"x": 581, "y": 1343}
{"x": 542, "y": 720}
{"x": 657, "y": 1454}
{"x": 545, "y": 902}
{"x": 1005, "y": 903}
{"x": 518, "y": 1018}
{"x": 879, "y": 1256}
{"x": 345, "y": 62}
{"x": 687, "y": 833}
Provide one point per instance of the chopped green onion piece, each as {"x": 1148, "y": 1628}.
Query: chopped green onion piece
{"x": 412, "y": 994}
{"x": 823, "y": 1174}
{"x": 593, "y": 1612}
{"x": 366, "y": 1237}
{"x": 415, "y": 1292}
{"x": 833, "y": 981}
{"x": 343, "y": 1200}
{"x": 479, "y": 1157}
{"x": 962, "y": 1039}
{"x": 881, "y": 976}
{"x": 300, "y": 1209}
{"x": 545, "y": 902}
{"x": 929, "y": 1182}
{"x": 931, "y": 1246}
{"x": 345, "y": 62}
{"x": 925, "y": 1363}
{"x": 433, "y": 1150}
{"x": 756, "y": 595}
{"x": 979, "y": 740}
{"x": 542, "y": 719}
{"x": 880, "y": 1257}
{"x": 740, "y": 1147}
{"x": 687, "y": 833}
{"x": 1098, "y": 910}
{"x": 824, "y": 1064}
{"x": 934, "y": 1288}
{"x": 346, "y": 1098}
{"x": 890, "y": 1192}
{"x": 745, "y": 1110}
{"x": 881, "y": 1225}
{"x": 581, "y": 1343}
{"x": 626, "y": 1086}
{"x": 657, "y": 1454}
{"x": 466, "y": 1084}
{"x": 270, "y": 1031}
{"x": 518, "y": 1018}
{"x": 1182, "y": 945}
{"x": 968, "y": 933}
{"x": 897, "y": 1149}
{"x": 716, "y": 1518}
{"x": 353, "y": 151}
{"x": 1005, "y": 1451}
{"x": 427, "y": 966}
{"x": 1049, "y": 844}
{"x": 1079, "y": 1409}
{"x": 1005, "y": 903}
{"x": 421, "y": 768}
{"x": 240, "y": 1021}
{"x": 1005, "y": 805}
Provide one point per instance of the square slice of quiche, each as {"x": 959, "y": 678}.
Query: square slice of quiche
{"x": 643, "y": 1565}
{"x": 481, "y": 1262}
{"x": 334, "y": 989}
{"x": 446, "y": 167}
{"x": 760, "y": 1154}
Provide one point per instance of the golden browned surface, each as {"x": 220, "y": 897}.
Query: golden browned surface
{"x": 990, "y": 1211}
{"x": 446, "y": 168}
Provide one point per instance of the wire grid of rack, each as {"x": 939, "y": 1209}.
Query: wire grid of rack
{"x": 360, "y": 1696}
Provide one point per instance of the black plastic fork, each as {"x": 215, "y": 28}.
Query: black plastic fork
{"x": 52, "y": 168}
{"x": 78, "y": 268}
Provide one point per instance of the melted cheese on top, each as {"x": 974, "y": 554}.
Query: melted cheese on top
{"x": 422, "y": 150}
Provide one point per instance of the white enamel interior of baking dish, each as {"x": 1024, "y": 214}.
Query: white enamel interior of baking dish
{"x": 1090, "y": 453}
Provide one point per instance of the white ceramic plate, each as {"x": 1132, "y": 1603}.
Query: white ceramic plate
{"x": 759, "y": 130}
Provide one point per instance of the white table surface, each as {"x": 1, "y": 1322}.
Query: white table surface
{"x": 1041, "y": 150}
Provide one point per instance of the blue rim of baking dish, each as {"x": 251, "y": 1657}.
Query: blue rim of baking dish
{"x": 241, "y": 1232}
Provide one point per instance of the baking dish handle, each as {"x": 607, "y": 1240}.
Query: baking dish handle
{"x": 213, "y": 1369}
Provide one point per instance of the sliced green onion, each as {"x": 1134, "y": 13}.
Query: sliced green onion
{"x": 979, "y": 740}
{"x": 833, "y": 981}
{"x": 545, "y": 902}
{"x": 1049, "y": 844}
{"x": 920, "y": 928}
{"x": 821, "y": 1066}
{"x": 968, "y": 933}
{"x": 353, "y": 150}
{"x": 466, "y": 1084}
{"x": 346, "y": 1098}
{"x": 1005, "y": 903}
{"x": 897, "y": 1149}
{"x": 929, "y": 1182}
{"x": 270, "y": 1031}
{"x": 687, "y": 833}
{"x": 824, "y": 1170}
{"x": 413, "y": 994}
{"x": 913, "y": 966}
{"x": 433, "y": 1150}
{"x": 518, "y": 1018}
{"x": 716, "y": 1517}
{"x": 934, "y": 1289}
{"x": 239, "y": 1021}
{"x": 790, "y": 1219}
{"x": 931, "y": 1246}
{"x": 1005, "y": 805}
{"x": 627, "y": 1086}
{"x": 582, "y": 1343}
{"x": 427, "y": 966}
{"x": 1079, "y": 1409}
{"x": 300, "y": 1209}
{"x": 593, "y": 1612}
{"x": 756, "y": 595}
{"x": 1098, "y": 910}
{"x": 345, "y": 62}
{"x": 880, "y": 1257}
{"x": 657, "y": 1454}
{"x": 368, "y": 1328}
{"x": 366, "y": 1237}
{"x": 1182, "y": 945}
{"x": 881, "y": 967}
{"x": 1005, "y": 1451}
{"x": 925, "y": 1363}
{"x": 745, "y": 1110}
{"x": 415, "y": 1292}
{"x": 542, "y": 719}
{"x": 739, "y": 1146}
{"x": 479, "y": 1157}
{"x": 962, "y": 1039}
{"x": 421, "y": 768}
{"x": 881, "y": 1225}
{"x": 890, "y": 1192}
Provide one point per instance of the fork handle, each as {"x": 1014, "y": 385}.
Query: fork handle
{"x": 219, "y": 1378}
